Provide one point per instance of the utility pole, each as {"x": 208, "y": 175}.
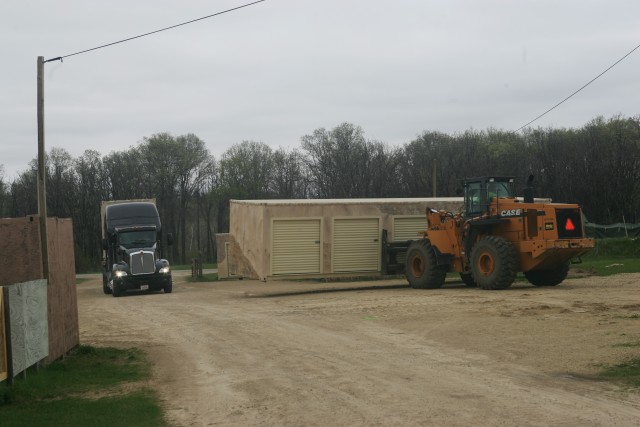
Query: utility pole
{"x": 42, "y": 192}
{"x": 433, "y": 177}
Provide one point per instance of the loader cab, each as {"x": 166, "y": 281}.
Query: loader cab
{"x": 479, "y": 192}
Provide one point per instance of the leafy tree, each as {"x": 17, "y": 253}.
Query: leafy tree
{"x": 4, "y": 194}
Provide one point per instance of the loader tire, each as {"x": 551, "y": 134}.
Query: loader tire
{"x": 467, "y": 279}
{"x": 494, "y": 263}
{"x": 421, "y": 267}
{"x": 548, "y": 277}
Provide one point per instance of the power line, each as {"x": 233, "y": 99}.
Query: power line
{"x": 584, "y": 86}
{"x": 59, "y": 58}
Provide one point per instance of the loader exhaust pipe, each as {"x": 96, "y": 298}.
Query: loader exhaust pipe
{"x": 528, "y": 190}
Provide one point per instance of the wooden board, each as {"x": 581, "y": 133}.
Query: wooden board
{"x": 28, "y": 325}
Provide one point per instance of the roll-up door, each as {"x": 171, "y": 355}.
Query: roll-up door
{"x": 356, "y": 244}
{"x": 407, "y": 227}
{"x": 295, "y": 246}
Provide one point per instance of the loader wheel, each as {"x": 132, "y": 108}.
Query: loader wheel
{"x": 467, "y": 279}
{"x": 421, "y": 268}
{"x": 548, "y": 277}
{"x": 494, "y": 263}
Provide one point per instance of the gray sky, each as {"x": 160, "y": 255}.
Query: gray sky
{"x": 280, "y": 69}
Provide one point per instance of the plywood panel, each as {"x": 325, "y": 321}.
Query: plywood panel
{"x": 63, "y": 306}
{"x": 20, "y": 253}
{"x": 3, "y": 343}
{"x": 29, "y": 331}
{"x": 20, "y": 250}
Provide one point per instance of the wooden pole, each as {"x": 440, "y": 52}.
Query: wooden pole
{"x": 42, "y": 191}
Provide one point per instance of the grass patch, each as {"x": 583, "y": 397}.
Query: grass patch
{"x": 207, "y": 277}
{"x": 620, "y": 247}
{"x": 628, "y": 344}
{"x": 80, "y": 280}
{"x": 608, "y": 266}
{"x": 188, "y": 266}
{"x": 84, "y": 389}
{"x": 627, "y": 373}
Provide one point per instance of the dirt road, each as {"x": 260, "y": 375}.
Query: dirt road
{"x": 240, "y": 353}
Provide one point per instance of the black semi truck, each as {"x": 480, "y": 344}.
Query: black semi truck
{"x": 132, "y": 248}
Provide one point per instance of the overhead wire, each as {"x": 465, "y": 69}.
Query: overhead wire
{"x": 574, "y": 93}
{"x": 60, "y": 58}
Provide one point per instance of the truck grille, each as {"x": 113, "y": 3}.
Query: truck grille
{"x": 569, "y": 223}
{"x": 142, "y": 262}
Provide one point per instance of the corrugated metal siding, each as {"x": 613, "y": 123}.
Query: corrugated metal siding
{"x": 407, "y": 228}
{"x": 356, "y": 245}
{"x": 295, "y": 247}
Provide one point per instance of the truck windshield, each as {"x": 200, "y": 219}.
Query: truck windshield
{"x": 137, "y": 239}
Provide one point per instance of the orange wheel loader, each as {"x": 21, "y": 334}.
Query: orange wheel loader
{"x": 497, "y": 235}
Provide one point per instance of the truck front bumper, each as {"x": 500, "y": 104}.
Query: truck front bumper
{"x": 154, "y": 282}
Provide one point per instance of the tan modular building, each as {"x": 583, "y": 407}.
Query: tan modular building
{"x": 318, "y": 237}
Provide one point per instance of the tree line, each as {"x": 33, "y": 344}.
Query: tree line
{"x": 597, "y": 166}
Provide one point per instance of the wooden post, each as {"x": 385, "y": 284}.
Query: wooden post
{"x": 42, "y": 192}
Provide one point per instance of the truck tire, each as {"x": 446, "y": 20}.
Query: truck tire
{"x": 548, "y": 277}
{"x": 421, "y": 268}
{"x": 116, "y": 290}
{"x": 168, "y": 288}
{"x": 105, "y": 285}
{"x": 494, "y": 263}
{"x": 467, "y": 279}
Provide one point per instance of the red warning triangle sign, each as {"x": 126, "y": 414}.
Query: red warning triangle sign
{"x": 569, "y": 225}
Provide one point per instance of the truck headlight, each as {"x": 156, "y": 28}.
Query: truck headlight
{"x": 165, "y": 270}
{"x": 121, "y": 273}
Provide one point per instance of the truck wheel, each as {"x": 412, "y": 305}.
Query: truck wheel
{"x": 106, "y": 289}
{"x": 105, "y": 284}
{"x": 548, "y": 277}
{"x": 168, "y": 288}
{"x": 116, "y": 290}
{"x": 494, "y": 263}
{"x": 467, "y": 279}
{"x": 421, "y": 268}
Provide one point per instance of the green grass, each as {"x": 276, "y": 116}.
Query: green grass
{"x": 607, "y": 266}
{"x": 83, "y": 389}
{"x": 626, "y": 373}
{"x": 619, "y": 247}
{"x": 628, "y": 344}
{"x": 207, "y": 277}
{"x": 188, "y": 266}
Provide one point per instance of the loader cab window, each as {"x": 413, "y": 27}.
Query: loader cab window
{"x": 480, "y": 194}
{"x": 499, "y": 189}
{"x": 474, "y": 205}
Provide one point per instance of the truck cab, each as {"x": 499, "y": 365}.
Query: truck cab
{"x": 132, "y": 246}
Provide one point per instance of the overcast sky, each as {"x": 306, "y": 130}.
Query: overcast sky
{"x": 280, "y": 69}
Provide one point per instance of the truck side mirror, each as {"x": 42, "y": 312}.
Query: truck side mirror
{"x": 169, "y": 239}
{"x": 105, "y": 244}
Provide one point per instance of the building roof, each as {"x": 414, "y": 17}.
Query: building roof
{"x": 348, "y": 201}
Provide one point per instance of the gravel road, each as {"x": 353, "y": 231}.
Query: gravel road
{"x": 242, "y": 353}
